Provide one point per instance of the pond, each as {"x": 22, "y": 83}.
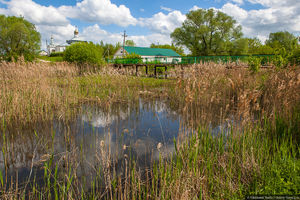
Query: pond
{"x": 97, "y": 136}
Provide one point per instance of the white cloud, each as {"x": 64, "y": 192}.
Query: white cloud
{"x": 96, "y": 34}
{"x": 162, "y": 23}
{"x": 236, "y": 12}
{"x": 166, "y": 9}
{"x": 275, "y": 3}
{"x": 54, "y": 21}
{"x": 194, "y": 8}
{"x": 240, "y": 2}
{"x": 34, "y": 12}
{"x": 276, "y": 16}
{"x": 100, "y": 11}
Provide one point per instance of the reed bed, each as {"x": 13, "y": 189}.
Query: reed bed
{"x": 37, "y": 92}
{"x": 259, "y": 155}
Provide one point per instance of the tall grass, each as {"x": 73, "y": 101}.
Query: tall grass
{"x": 36, "y": 92}
{"x": 259, "y": 155}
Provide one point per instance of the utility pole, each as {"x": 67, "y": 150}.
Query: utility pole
{"x": 124, "y": 39}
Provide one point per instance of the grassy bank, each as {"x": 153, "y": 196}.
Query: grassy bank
{"x": 259, "y": 155}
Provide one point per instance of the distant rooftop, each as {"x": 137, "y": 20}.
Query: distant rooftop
{"x": 145, "y": 51}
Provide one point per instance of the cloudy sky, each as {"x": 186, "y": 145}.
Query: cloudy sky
{"x": 147, "y": 21}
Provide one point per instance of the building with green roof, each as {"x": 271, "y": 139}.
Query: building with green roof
{"x": 150, "y": 54}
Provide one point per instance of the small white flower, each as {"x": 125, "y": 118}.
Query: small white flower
{"x": 159, "y": 146}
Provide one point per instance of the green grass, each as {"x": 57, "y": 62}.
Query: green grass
{"x": 260, "y": 159}
{"x": 51, "y": 59}
{"x": 228, "y": 166}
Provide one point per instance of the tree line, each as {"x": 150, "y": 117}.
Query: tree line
{"x": 203, "y": 33}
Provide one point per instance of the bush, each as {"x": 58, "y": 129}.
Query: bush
{"x": 57, "y": 54}
{"x": 254, "y": 63}
{"x": 280, "y": 61}
{"x": 84, "y": 53}
{"x": 295, "y": 58}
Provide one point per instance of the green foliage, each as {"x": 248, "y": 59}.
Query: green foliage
{"x": 295, "y": 57}
{"x": 109, "y": 49}
{"x": 281, "y": 170}
{"x": 177, "y": 49}
{"x": 280, "y": 61}
{"x": 52, "y": 59}
{"x": 254, "y": 44}
{"x": 133, "y": 56}
{"x": 57, "y": 54}
{"x": 254, "y": 63}
{"x": 129, "y": 43}
{"x": 282, "y": 39}
{"x": 240, "y": 47}
{"x": 84, "y": 53}
{"x": 18, "y": 37}
{"x": 207, "y": 32}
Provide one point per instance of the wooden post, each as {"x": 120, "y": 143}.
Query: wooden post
{"x": 136, "y": 70}
{"x": 155, "y": 70}
{"x": 166, "y": 68}
{"x": 146, "y": 70}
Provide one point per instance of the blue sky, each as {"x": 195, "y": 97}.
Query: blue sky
{"x": 147, "y": 22}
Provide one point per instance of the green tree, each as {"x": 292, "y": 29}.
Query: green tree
{"x": 254, "y": 44}
{"x": 282, "y": 39}
{"x": 129, "y": 43}
{"x": 240, "y": 47}
{"x": 177, "y": 49}
{"x": 207, "y": 32}
{"x": 109, "y": 49}
{"x": 18, "y": 37}
{"x": 83, "y": 52}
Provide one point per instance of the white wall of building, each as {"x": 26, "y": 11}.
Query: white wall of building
{"x": 162, "y": 59}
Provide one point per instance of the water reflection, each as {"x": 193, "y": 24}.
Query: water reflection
{"x": 142, "y": 130}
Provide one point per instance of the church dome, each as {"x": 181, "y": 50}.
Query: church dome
{"x": 76, "y": 32}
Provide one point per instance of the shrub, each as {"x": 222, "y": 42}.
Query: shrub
{"x": 133, "y": 58}
{"x": 254, "y": 63}
{"x": 280, "y": 61}
{"x": 57, "y": 54}
{"x": 295, "y": 58}
{"x": 84, "y": 53}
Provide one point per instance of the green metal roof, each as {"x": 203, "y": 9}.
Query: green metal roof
{"x": 144, "y": 51}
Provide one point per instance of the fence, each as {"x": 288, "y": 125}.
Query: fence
{"x": 190, "y": 60}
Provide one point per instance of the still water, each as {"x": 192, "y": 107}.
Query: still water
{"x": 143, "y": 130}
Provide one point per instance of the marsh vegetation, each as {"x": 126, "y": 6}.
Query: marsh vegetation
{"x": 100, "y": 133}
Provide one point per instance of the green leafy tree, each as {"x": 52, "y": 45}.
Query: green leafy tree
{"x": 207, "y": 32}
{"x": 84, "y": 53}
{"x": 264, "y": 50}
{"x": 240, "y": 47}
{"x": 109, "y": 50}
{"x": 177, "y": 49}
{"x": 129, "y": 43}
{"x": 254, "y": 44}
{"x": 18, "y": 37}
{"x": 282, "y": 39}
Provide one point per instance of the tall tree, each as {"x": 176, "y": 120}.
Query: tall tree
{"x": 177, "y": 49}
{"x": 282, "y": 39}
{"x": 18, "y": 37}
{"x": 207, "y": 32}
